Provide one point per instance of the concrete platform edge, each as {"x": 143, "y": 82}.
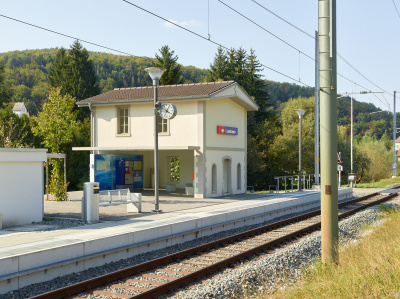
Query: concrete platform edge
{"x": 198, "y": 232}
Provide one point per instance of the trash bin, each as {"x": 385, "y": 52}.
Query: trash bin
{"x": 90, "y": 202}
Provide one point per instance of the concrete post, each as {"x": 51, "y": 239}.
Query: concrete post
{"x": 328, "y": 127}
{"x": 351, "y": 138}
{"x": 300, "y": 150}
{"x": 316, "y": 109}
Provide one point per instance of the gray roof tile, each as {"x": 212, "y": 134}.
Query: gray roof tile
{"x": 164, "y": 91}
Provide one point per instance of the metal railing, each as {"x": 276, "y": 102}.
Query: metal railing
{"x": 116, "y": 197}
{"x": 307, "y": 180}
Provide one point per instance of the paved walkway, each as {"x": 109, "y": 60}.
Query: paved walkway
{"x": 168, "y": 202}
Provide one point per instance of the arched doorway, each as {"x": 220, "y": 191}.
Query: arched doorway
{"x": 214, "y": 179}
{"x": 227, "y": 189}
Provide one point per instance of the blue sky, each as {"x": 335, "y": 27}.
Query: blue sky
{"x": 367, "y": 34}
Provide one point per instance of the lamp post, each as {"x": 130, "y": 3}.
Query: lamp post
{"x": 300, "y": 112}
{"x": 351, "y": 124}
{"x": 155, "y": 73}
{"x": 351, "y": 132}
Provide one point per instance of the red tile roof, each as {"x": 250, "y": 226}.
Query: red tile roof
{"x": 164, "y": 91}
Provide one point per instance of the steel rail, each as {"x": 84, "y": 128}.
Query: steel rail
{"x": 185, "y": 280}
{"x": 182, "y": 281}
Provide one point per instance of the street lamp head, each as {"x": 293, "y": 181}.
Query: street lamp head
{"x": 300, "y": 112}
{"x": 155, "y": 72}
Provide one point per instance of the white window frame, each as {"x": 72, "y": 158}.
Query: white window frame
{"x": 164, "y": 122}
{"x": 118, "y": 133}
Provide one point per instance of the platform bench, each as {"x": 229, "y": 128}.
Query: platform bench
{"x": 133, "y": 201}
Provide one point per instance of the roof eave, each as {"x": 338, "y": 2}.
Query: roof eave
{"x": 138, "y": 101}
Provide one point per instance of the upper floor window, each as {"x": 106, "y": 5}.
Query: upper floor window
{"x": 163, "y": 128}
{"x": 123, "y": 121}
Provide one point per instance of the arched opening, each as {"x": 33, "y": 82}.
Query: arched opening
{"x": 239, "y": 176}
{"x": 214, "y": 179}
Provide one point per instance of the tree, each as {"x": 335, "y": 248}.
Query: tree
{"x": 287, "y": 145}
{"x": 167, "y": 60}
{"x": 218, "y": 69}
{"x": 14, "y": 130}
{"x": 56, "y": 125}
{"x": 262, "y": 126}
{"x": 58, "y": 73}
{"x": 4, "y": 92}
{"x": 378, "y": 156}
{"x": 83, "y": 79}
{"x": 74, "y": 74}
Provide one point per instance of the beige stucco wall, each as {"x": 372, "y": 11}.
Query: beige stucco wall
{"x": 225, "y": 112}
{"x": 217, "y": 157}
{"x": 21, "y": 185}
{"x": 186, "y": 167}
{"x": 195, "y": 125}
{"x": 184, "y": 129}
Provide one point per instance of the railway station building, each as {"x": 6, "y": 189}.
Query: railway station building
{"x": 203, "y": 150}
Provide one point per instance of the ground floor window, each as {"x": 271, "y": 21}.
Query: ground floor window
{"x": 174, "y": 169}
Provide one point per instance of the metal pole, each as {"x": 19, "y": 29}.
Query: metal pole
{"x": 301, "y": 117}
{"x": 316, "y": 163}
{"x": 156, "y": 196}
{"x": 65, "y": 174}
{"x": 394, "y": 133}
{"x": 328, "y": 130}
{"x": 351, "y": 137}
{"x": 47, "y": 179}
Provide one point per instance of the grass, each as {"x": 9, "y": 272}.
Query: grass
{"x": 381, "y": 184}
{"x": 369, "y": 269}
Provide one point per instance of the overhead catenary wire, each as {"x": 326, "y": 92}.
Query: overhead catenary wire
{"x": 274, "y": 35}
{"x": 210, "y": 40}
{"x": 125, "y": 53}
{"x": 286, "y": 21}
{"x": 395, "y": 6}
{"x": 313, "y": 59}
{"x": 349, "y": 64}
{"x": 66, "y": 35}
{"x": 356, "y": 84}
{"x": 311, "y": 36}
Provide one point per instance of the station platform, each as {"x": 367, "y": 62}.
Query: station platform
{"x": 31, "y": 257}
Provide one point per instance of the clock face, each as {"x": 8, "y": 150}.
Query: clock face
{"x": 168, "y": 111}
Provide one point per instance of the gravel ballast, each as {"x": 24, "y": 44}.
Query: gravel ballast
{"x": 281, "y": 268}
{"x": 234, "y": 282}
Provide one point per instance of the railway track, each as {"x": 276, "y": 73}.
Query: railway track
{"x": 163, "y": 275}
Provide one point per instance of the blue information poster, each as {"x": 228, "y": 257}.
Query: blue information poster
{"x": 112, "y": 171}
